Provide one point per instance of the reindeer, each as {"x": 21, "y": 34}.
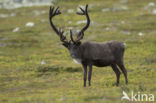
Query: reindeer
{"x": 91, "y": 53}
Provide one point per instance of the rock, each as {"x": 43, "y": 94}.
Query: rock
{"x": 43, "y": 62}
{"x": 62, "y": 99}
{"x": 37, "y": 12}
{"x": 107, "y": 28}
{"x": 151, "y": 4}
{"x": 92, "y": 22}
{"x": 13, "y": 14}
{"x": 140, "y": 34}
{"x": 43, "y": 20}
{"x": 69, "y": 22}
{"x": 124, "y": 1}
{"x": 4, "y": 15}
{"x": 29, "y": 24}
{"x": 154, "y": 12}
{"x": 84, "y": 22}
{"x": 16, "y": 29}
{"x": 120, "y": 8}
{"x": 124, "y": 7}
{"x": 11, "y": 4}
{"x": 75, "y": 32}
{"x": 70, "y": 11}
{"x": 81, "y": 22}
{"x": 7, "y": 15}
{"x": 125, "y": 32}
{"x": 125, "y": 44}
{"x": 122, "y": 22}
{"x": 106, "y": 9}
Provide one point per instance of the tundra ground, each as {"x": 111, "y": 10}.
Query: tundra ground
{"x": 36, "y": 68}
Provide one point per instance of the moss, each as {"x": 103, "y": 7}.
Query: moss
{"x": 23, "y": 78}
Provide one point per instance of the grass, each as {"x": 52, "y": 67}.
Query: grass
{"x": 23, "y": 79}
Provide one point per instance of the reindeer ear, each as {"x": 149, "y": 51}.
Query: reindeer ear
{"x": 78, "y": 43}
{"x": 65, "y": 45}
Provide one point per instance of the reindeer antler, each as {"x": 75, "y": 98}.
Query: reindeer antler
{"x": 81, "y": 33}
{"x": 59, "y": 32}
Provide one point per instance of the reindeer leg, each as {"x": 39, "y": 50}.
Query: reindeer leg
{"x": 122, "y": 67}
{"x": 117, "y": 72}
{"x": 84, "y": 74}
{"x": 90, "y": 74}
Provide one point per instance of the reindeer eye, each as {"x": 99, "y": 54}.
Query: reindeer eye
{"x": 75, "y": 47}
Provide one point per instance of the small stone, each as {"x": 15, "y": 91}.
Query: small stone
{"x": 4, "y": 15}
{"x": 43, "y": 62}
{"x": 29, "y": 24}
{"x": 120, "y": 8}
{"x": 125, "y": 44}
{"x": 151, "y": 4}
{"x": 107, "y": 28}
{"x": 70, "y": 11}
{"x": 62, "y": 98}
{"x": 16, "y": 29}
{"x": 105, "y": 9}
{"x": 154, "y": 11}
{"x": 124, "y": 1}
{"x": 43, "y": 20}
{"x": 125, "y": 32}
{"x": 115, "y": 9}
{"x": 124, "y": 8}
{"x": 13, "y": 14}
{"x": 75, "y": 32}
{"x": 81, "y": 22}
{"x": 140, "y": 34}
{"x": 69, "y": 22}
{"x": 92, "y": 22}
{"x": 122, "y": 22}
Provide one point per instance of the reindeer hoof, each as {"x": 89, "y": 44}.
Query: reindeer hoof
{"x": 117, "y": 84}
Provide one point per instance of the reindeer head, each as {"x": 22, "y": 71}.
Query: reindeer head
{"x": 73, "y": 44}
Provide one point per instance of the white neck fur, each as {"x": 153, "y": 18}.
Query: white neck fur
{"x": 78, "y": 61}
